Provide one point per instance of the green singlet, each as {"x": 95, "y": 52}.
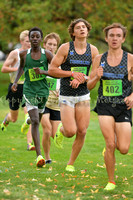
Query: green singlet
{"x": 35, "y": 85}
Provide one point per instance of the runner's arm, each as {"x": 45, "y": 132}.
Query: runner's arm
{"x": 96, "y": 73}
{"x": 129, "y": 100}
{"x": 94, "y": 52}
{"x": 60, "y": 58}
{"x": 20, "y": 70}
{"x": 9, "y": 62}
{"x": 49, "y": 56}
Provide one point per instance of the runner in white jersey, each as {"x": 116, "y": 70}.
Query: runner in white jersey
{"x": 10, "y": 66}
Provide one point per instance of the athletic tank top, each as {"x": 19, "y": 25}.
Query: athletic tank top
{"x": 114, "y": 84}
{"x": 13, "y": 74}
{"x": 79, "y": 63}
{"x": 35, "y": 84}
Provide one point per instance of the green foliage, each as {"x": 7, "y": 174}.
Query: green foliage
{"x": 55, "y": 16}
{"x": 102, "y": 13}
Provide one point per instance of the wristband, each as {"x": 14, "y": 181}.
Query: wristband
{"x": 72, "y": 73}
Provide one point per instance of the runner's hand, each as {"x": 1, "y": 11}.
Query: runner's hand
{"x": 14, "y": 87}
{"x": 38, "y": 70}
{"x": 79, "y": 76}
{"x": 99, "y": 72}
{"x": 74, "y": 83}
{"x": 129, "y": 101}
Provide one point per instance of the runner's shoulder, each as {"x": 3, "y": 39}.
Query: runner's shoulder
{"x": 23, "y": 53}
{"x": 64, "y": 48}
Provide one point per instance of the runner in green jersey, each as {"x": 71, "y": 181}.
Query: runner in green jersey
{"x": 35, "y": 90}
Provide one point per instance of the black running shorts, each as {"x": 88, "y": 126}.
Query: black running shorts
{"x": 119, "y": 112}
{"x": 54, "y": 114}
{"x": 15, "y": 98}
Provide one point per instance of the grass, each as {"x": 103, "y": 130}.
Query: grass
{"x": 20, "y": 179}
{"x": 4, "y": 80}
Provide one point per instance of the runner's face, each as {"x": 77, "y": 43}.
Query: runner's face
{"x": 80, "y": 30}
{"x": 115, "y": 38}
{"x": 35, "y": 38}
{"x": 26, "y": 43}
{"x": 51, "y": 45}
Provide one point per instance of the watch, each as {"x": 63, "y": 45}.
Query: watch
{"x": 86, "y": 78}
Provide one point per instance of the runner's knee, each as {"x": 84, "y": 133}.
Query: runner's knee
{"x": 123, "y": 149}
{"x": 35, "y": 121}
{"x": 47, "y": 132}
{"x": 110, "y": 146}
{"x": 70, "y": 132}
{"x": 82, "y": 132}
{"x": 14, "y": 119}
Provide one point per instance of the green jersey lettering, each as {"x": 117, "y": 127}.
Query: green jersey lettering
{"x": 112, "y": 87}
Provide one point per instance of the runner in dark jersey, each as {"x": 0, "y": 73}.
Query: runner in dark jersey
{"x": 35, "y": 90}
{"x": 114, "y": 70}
{"x": 75, "y": 59}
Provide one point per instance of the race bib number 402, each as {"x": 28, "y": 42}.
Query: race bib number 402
{"x": 112, "y": 87}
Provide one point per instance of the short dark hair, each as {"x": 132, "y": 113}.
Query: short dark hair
{"x": 115, "y": 25}
{"x": 76, "y": 21}
{"x": 36, "y": 29}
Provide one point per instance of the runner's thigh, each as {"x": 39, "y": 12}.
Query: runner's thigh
{"x": 123, "y": 132}
{"x": 107, "y": 125}
{"x": 82, "y": 114}
{"x": 68, "y": 117}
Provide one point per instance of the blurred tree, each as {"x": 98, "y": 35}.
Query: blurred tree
{"x": 51, "y": 15}
{"x": 105, "y": 12}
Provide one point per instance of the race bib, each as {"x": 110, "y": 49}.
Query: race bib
{"x": 52, "y": 82}
{"x": 112, "y": 87}
{"x": 36, "y": 77}
{"x": 79, "y": 69}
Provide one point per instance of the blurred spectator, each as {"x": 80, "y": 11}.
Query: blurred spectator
{"x": 2, "y": 56}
